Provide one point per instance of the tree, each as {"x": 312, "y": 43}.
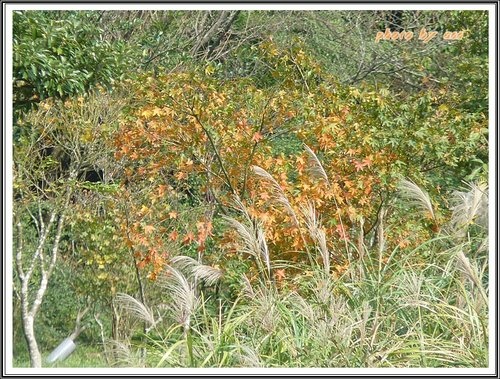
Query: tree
{"x": 60, "y": 54}
{"x": 195, "y": 133}
{"x": 58, "y": 145}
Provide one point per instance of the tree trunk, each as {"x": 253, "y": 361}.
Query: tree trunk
{"x": 46, "y": 265}
{"x": 29, "y": 334}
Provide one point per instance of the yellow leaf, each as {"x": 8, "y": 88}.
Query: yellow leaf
{"x": 146, "y": 113}
{"x": 209, "y": 70}
{"x": 443, "y": 108}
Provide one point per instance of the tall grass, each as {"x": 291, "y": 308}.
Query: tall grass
{"x": 395, "y": 310}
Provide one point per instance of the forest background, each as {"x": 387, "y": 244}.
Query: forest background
{"x": 244, "y": 188}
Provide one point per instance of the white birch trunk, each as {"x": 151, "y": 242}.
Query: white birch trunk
{"x": 29, "y": 334}
{"x": 46, "y": 266}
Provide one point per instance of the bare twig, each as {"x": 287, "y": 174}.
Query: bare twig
{"x": 78, "y": 323}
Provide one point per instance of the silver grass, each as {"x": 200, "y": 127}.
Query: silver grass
{"x": 471, "y": 272}
{"x": 123, "y": 355}
{"x": 484, "y": 245}
{"x": 302, "y": 306}
{"x": 317, "y": 233}
{"x": 315, "y": 167}
{"x": 413, "y": 283}
{"x": 338, "y": 309}
{"x": 261, "y": 240}
{"x": 324, "y": 290}
{"x": 208, "y": 274}
{"x": 121, "y": 352}
{"x": 363, "y": 318}
{"x": 311, "y": 219}
{"x": 416, "y": 196}
{"x": 184, "y": 300}
{"x": 247, "y": 287}
{"x": 279, "y": 194}
{"x": 323, "y": 249}
{"x": 136, "y": 308}
{"x": 267, "y": 315}
{"x": 241, "y": 208}
{"x": 317, "y": 170}
{"x": 184, "y": 262}
{"x": 249, "y": 357}
{"x": 470, "y": 206}
{"x": 253, "y": 236}
{"x": 254, "y": 240}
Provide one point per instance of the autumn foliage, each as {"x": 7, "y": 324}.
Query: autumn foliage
{"x": 192, "y": 137}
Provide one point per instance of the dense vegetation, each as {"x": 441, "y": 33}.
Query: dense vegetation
{"x": 250, "y": 188}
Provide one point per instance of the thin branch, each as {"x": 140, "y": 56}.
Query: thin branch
{"x": 217, "y": 155}
{"x": 217, "y": 42}
{"x": 78, "y": 327}
{"x": 210, "y": 33}
{"x": 254, "y": 149}
{"x": 37, "y": 226}
{"x": 41, "y": 244}
{"x": 19, "y": 255}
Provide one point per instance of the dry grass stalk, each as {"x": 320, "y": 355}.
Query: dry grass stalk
{"x": 470, "y": 206}
{"x": 417, "y": 197}
{"x": 471, "y": 273}
{"x": 315, "y": 167}
{"x": 249, "y": 357}
{"x": 136, "y": 308}
{"x": 317, "y": 234}
{"x": 184, "y": 300}
{"x": 208, "y": 274}
{"x": 248, "y": 290}
{"x": 317, "y": 170}
{"x": 254, "y": 240}
{"x": 278, "y": 193}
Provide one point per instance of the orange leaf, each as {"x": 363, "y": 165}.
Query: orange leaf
{"x": 172, "y": 214}
{"x": 148, "y": 229}
{"x": 280, "y": 275}
{"x": 264, "y": 196}
{"x": 173, "y": 235}
{"x": 257, "y": 137}
{"x": 359, "y": 165}
{"x": 342, "y": 232}
{"x": 188, "y": 238}
{"x": 368, "y": 161}
{"x": 162, "y": 188}
{"x": 180, "y": 175}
